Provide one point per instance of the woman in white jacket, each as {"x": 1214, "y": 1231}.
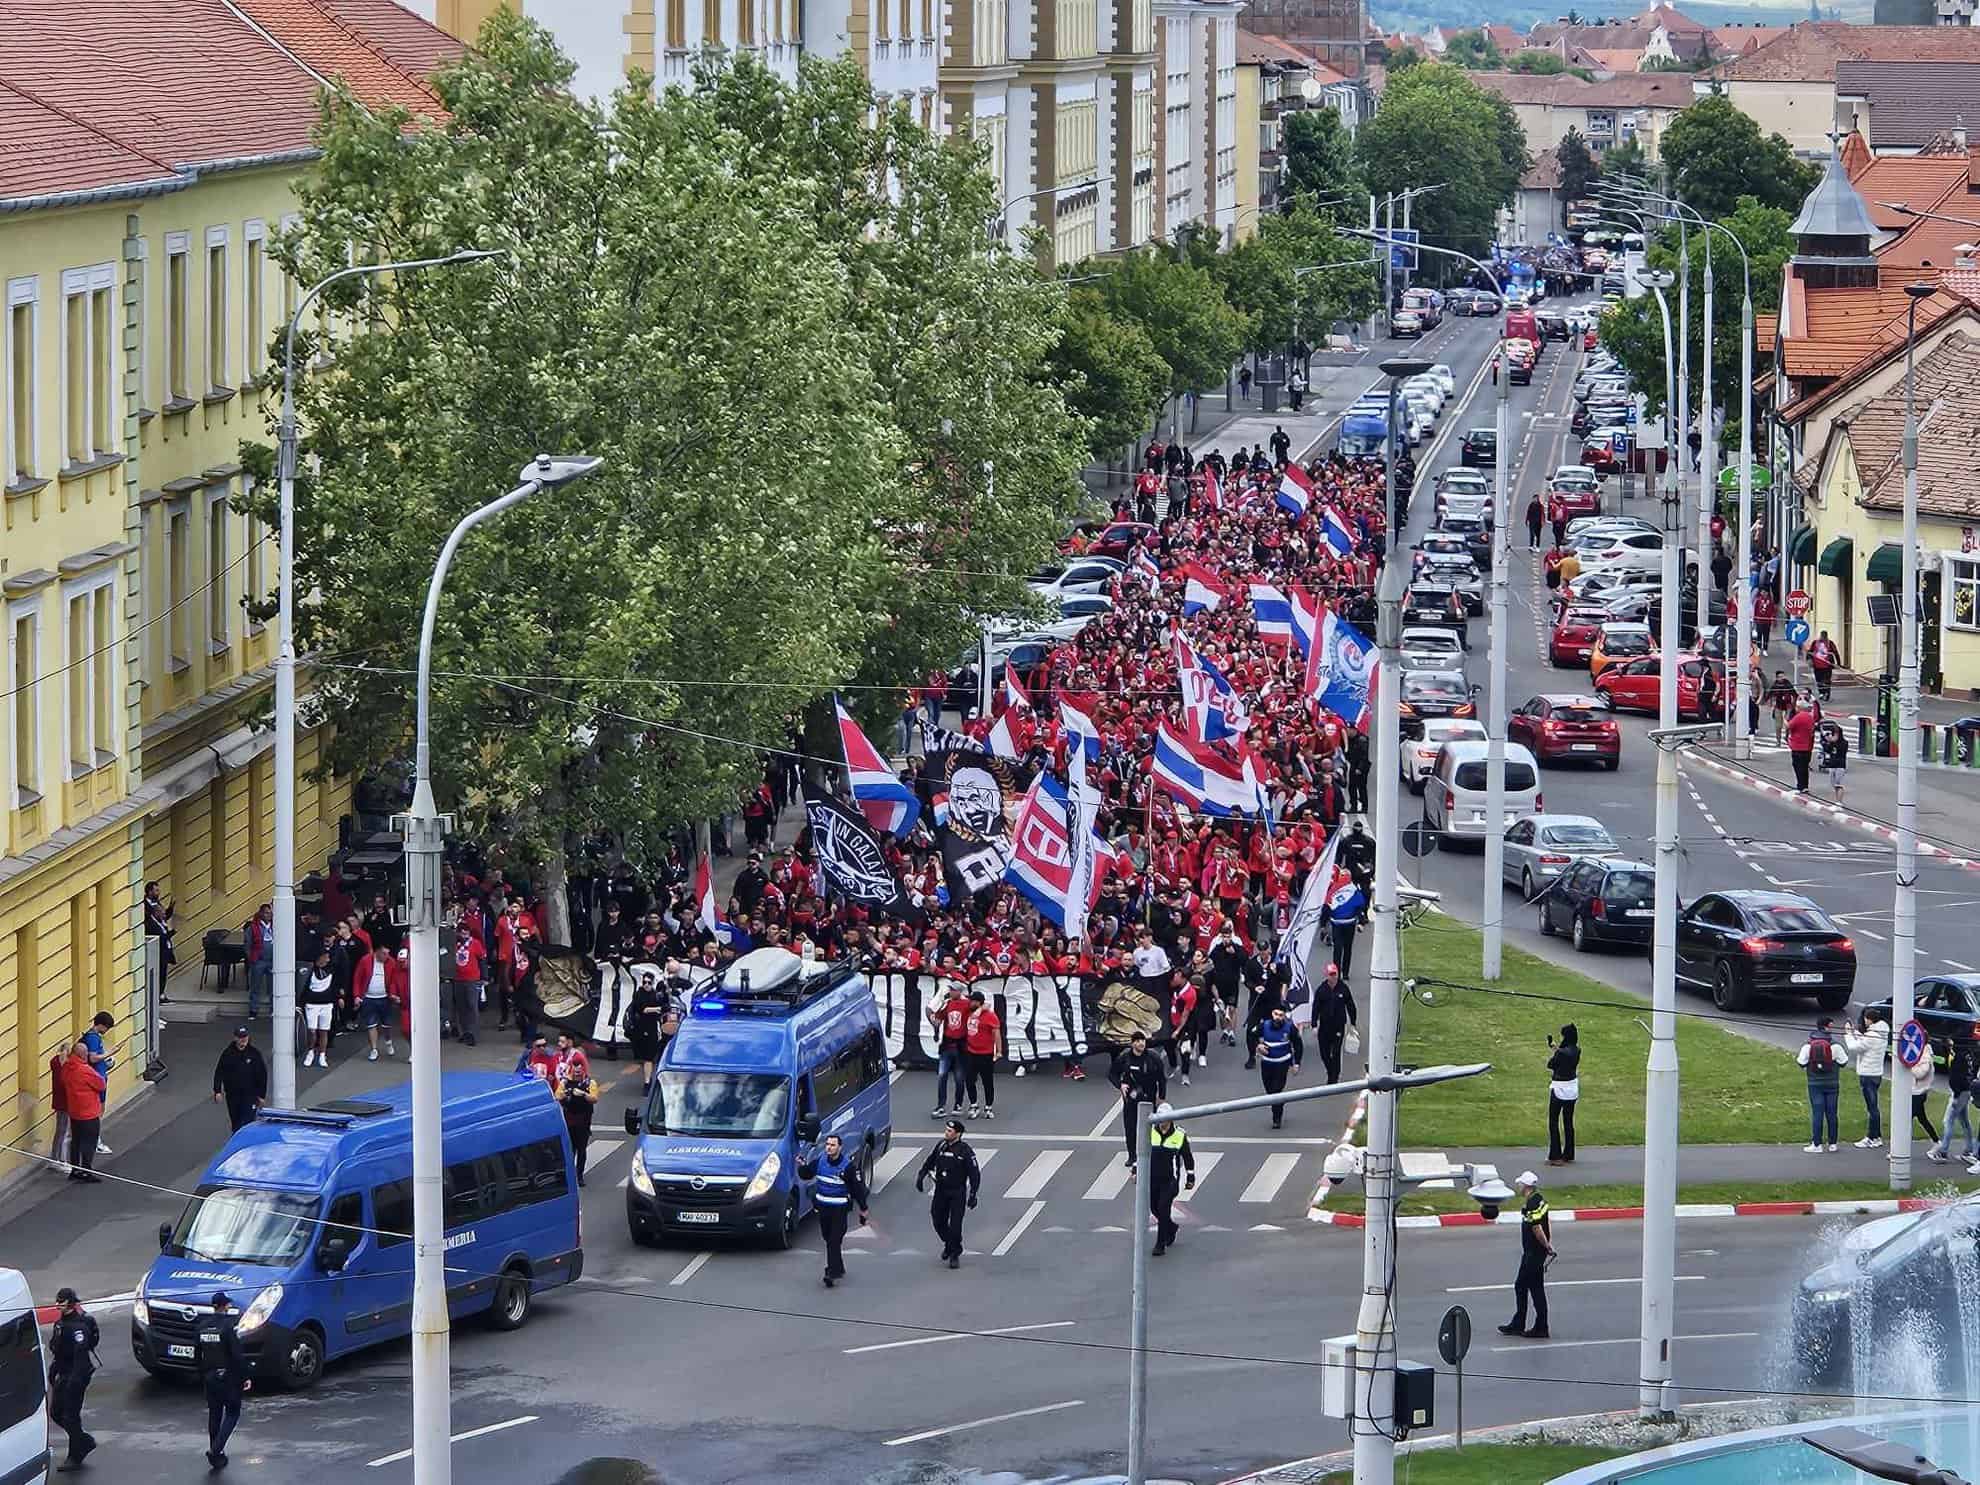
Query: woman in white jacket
{"x": 1869, "y": 1042}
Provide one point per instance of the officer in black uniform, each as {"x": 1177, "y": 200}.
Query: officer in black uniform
{"x": 223, "y": 1367}
{"x": 957, "y": 1176}
{"x": 837, "y": 1187}
{"x": 1140, "y": 1075}
{"x": 1536, "y": 1246}
{"x": 1169, "y": 1157}
{"x": 71, "y": 1365}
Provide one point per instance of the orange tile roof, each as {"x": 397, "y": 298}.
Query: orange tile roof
{"x": 1947, "y": 383}
{"x": 48, "y": 151}
{"x": 1765, "y": 324}
{"x": 193, "y": 83}
{"x": 1818, "y": 358}
{"x": 1922, "y": 181}
{"x": 1809, "y": 50}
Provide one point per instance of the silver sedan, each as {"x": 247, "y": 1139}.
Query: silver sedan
{"x": 1541, "y": 847}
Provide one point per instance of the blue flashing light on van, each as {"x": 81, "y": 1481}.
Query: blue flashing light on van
{"x": 769, "y": 1060}
{"x": 305, "y": 1220}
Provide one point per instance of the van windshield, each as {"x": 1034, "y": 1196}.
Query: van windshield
{"x": 721, "y": 1105}
{"x": 239, "y": 1224}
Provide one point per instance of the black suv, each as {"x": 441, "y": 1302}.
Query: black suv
{"x": 1480, "y": 448}
{"x": 1601, "y": 902}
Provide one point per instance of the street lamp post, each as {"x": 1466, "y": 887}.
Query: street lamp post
{"x": 1904, "y": 907}
{"x": 282, "y": 983}
{"x": 1660, "y": 1092}
{"x": 999, "y": 223}
{"x": 425, "y": 831}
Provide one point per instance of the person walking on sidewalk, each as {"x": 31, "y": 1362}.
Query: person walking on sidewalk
{"x": 1959, "y": 1083}
{"x": 1334, "y": 1011}
{"x": 1139, "y": 1074}
{"x": 1822, "y": 658}
{"x": 1870, "y": 1044}
{"x": 82, "y": 1092}
{"x": 240, "y": 1079}
{"x": 1818, "y": 1056}
{"x": 1536, "y": 1249}
{"x": 837, "y": 1188}
{"x": 1244, "y": 382}
{"x": 1536, "y": 517}
{"x": 1563, "y": 1093}
{"x": 1169, "y": 1157}
{"x": 1922, "y": 1077}
{"x": 1280, "y": 1052}
{"x": 223, "y": 1368}
{"x": 1764, "y": 613}
{"x": 983, "y": 1040}
{"x": 378, "y": 993}
{"x": 1780, "y": 699}
{"x": 1835, "y": 755}
{"x": 1800, "y": 737}
{"x": 953, "y": 1166}
{"x": 319, "y": 1009}
{"x": 71, "y": 1365}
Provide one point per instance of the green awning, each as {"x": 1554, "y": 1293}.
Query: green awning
{"x": 1803, "y": 551}
{"x": 1835, "y": 558}
{"x": 1886, "y": 564}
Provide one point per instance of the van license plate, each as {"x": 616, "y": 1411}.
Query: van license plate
{"x": 179, "y": 1353}
{"x": 1806, "y": 979}
{"x": 701, "y": 1216}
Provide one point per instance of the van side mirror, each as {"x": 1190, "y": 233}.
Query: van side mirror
{"x": 807, "y": 1127}
{"x": 164, "y": 1236}
{"x": 632, "y": 1121}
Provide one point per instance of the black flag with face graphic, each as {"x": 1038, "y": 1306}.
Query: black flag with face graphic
{"x": 852, "y": 861}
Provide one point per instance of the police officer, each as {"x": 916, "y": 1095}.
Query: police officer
{"x": 1536, "y": 1247}
{"x": 1169, "y": 1156}
{"x": 837, "y": 1187}
{"x": 957, "y": 1176}
{"x": 1280, "y": 1052}
{"x": 1141, "y": 1077}
{"x": 71, "y": 1364}
{"x": 223, "y": 1367}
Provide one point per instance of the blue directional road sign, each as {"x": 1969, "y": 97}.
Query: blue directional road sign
{"x": 1796, "y": 632}
{"x": 1911, "y": 1044}
{"x": 1402, "y": 248}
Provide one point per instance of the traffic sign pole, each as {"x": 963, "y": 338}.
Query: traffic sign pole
{"x": 1453, "y": 1342}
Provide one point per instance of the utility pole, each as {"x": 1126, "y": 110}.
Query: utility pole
{"x": 1708, "y": 445}
{"x": 1904, "y": 908}
{"x": 1748, "y": 589}
{"x": 1660, "y": 1092}
{"x": 1680, "y": 440}
{"x": 1500, "y": 639}
{"x": 1388, "y": 261}
{"x": 1374, "y": 1326}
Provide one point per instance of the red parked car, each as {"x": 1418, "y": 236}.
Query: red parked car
{"x": 1574, "y": 636}
{"x": 1579, "y": 494}
{"x": 1119, "y": 539}
{"x": 1566, "y": 729}
{"x": 1632, "y": 686}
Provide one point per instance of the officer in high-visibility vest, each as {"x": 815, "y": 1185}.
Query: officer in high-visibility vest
{"x": 837, "y": 1188}
{"x": 1169, "y": 1157}
{"x": 1536, "y": 1248}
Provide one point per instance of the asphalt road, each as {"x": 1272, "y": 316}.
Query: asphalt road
{"x": 737, "y": 1365}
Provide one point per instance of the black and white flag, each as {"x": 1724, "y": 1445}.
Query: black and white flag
{"x": 852, "y": 860}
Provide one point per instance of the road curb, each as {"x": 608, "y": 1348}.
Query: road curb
{"x": 1762, "y": 785}
{"x": 1873, "y": 1207}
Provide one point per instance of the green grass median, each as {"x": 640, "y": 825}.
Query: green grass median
{"x": 1566, "y": 1195}
{"x": 1490, "y": 1464}
{"x": 1734, "y": 1090}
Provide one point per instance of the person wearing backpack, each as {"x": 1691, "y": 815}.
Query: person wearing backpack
{"x": 1818, "y": 1055}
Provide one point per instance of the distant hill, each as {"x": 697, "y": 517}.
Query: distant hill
{"x": 1459, "y": 15}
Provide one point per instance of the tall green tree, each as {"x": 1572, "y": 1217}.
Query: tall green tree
{"x": 1578, "y": 167}
{"x": 1320, "y": 158}
{"x": 1438, "y": 127}
{"x": 1626, "y": 158}
{"x": 1182, "y": 308}
{"x": 774, "y": 311}
{"x": 1715, "y": 154}
{"x": 1109, "y": 371}
{"x": 1474, "y": 51}
{"x": 1307, "y": 240}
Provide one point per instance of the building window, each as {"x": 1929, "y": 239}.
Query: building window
{"x": 254, "y": 273}
{"x": 676, "y": 25}
{"x": 927, "y": 20}
{"x": 91, "y": 670}
{"x": 254, "y": 582}
{"x": 1601, "y": 122}
{"x": 22, "y": 294}
{"x": 87, "y": 364}
{"x": 217, "y": 586}
{"x": 24, "y": 633}
{"x": 178, "y": 309}
{"x": 216, "y": 309}
{"x": 178, "y": 584}
{"x": 711, "y": 22}
{"x": 907, "y": 20}
{"x": 1964, "y": 580}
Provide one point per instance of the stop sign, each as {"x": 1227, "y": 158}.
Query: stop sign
{"x": 1797, "y": 603}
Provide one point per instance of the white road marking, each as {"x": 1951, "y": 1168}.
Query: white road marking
{"x": 692, "y": 1267}
{"x": 1044, "y": 1165}
{"x": 1205, "y": 1163}
{"x": 1957, "y": 965}
{"x": 936, "y": 1340}
{"x": 890, "y": 1165}
{"x": 1107, "y": 1185}
{"x": 1109, "y": 1120}
{"x": 936, "y": 1433}
{"x": 1866, "y": 932}
{"x": 1271, "y": 1176}
{"x": 459, "y": 1438}
{"x": 1568, "y": 1284}
{"x": 1625, "y": 1340}
{"x": 1112, "y": 1135}
{"x": 1009, "y": 1239}
{"x": 600, "y": 1151}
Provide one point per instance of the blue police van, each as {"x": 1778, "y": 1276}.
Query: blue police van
{"x": 769, "y": 1059}
{"x": 305, "y": 1220}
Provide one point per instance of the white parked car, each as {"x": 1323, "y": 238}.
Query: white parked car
{"x": 1431, "y": 649}
{"x": 1445, "y": 376}
{"x": 1419, "y": 754}
{"x": 1086, "y": 575}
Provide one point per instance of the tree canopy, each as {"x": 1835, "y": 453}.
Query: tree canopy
{"x": 1715, "y": 154}
{"x": 1320, "y": 158}
{"x": 1578, "y": 166}
{"x": 821, "y": 393}
{"x": 1438, "y": 127}
{"x": 1473, "y": 50}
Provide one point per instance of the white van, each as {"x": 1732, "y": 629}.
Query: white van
{"x": 1454, "y": 794}
{"x": 24, "y": 1458}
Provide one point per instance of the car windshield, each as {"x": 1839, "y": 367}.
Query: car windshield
{"x": 720, "y": 1105}
{"x": 1787, "y": 917}
{"x": 1630, "y": 888}
{"x": 240, "y": 1224}
{"x": 1578, "y": 835}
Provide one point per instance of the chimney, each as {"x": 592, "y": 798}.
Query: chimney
{"x": 1963, "y": 256}
{"x": 1959, "y": 132}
